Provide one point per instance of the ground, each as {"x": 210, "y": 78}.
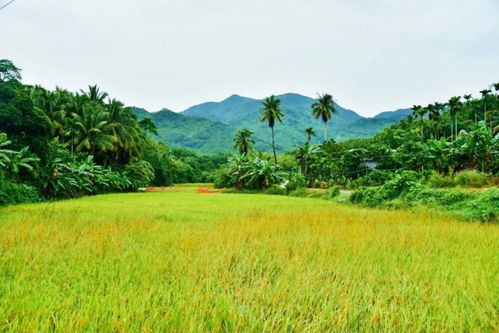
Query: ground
{"x": 182, "y": 261}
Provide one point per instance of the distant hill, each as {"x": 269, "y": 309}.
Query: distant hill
{"x": 210, "y": 127}
{"x": 197, "y": 134}
{"x": 397, "y": 114}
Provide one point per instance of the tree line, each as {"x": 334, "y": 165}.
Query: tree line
{"x": 460, "y": 134}
{"x": 56, "y": 144}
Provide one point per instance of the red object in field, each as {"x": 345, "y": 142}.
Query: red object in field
{"x": 153, "y": 189}
{"x": 203, "y": 190}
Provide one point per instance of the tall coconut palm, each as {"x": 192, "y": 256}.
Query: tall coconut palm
{"x": 52, "y": 103}
{"x": 243, "y": 141}
{"x": 324, "y": 108}
{"x": 148, "y": 126}
{"x": 95, "y": 94}
{"x": 125, "y": 129}
{"x": 74, "y": 108}
{"x": 485, "y": 93}
{"x": 310, "y": 133}
{"x": 272, "y": 112}
{"x": 434, "y": 116}
{"x": 94, "y": 133}
{"x": 419, "y": 112}
{"x": 454, "y": 108}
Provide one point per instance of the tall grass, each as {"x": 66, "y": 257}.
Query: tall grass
{"x": 182, "y": 261}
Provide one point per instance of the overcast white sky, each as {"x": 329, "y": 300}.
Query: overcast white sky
{"x": 372, "y": 55}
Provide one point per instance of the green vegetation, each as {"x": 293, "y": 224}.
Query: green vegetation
{"x": 324, "y": 108}
{"x": 265, "y": 255}
{"x": 183, "y": 261}
{"x": 392, "y": 168}
{"x": 59, "y": 144}
{"x": 209, "y": 127}
{"x": 272, "y": 113}
{"x": 403, "y": 191}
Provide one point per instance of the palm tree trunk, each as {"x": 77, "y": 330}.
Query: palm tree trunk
{"x": 451, "y": 129}
{"x": 455, "y": 126}
{"x": 273, "y": 145}
{"x": 325, "y": 131}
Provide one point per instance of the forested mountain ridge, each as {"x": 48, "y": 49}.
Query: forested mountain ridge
{"x": 210, "y": 127}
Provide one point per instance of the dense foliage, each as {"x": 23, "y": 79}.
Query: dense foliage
{"x": 60, "y": 144}
{"x": 453, "y": 144}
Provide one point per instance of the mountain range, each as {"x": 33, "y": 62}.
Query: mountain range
{"x": 210, "y": 127}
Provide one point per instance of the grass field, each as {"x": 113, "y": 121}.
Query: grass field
{"x": 183, "y": 261}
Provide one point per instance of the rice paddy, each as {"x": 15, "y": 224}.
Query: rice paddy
{"x": 182, "y": 261}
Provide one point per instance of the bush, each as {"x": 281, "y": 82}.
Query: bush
{"x": 438, "y": 181}
{"x": 438, "y": 197}
{"x": 140, "y": 173}
{"x": 484, "y": 207}
{"x": 373, "y": 178}
{"x": 334, "y": 191}
{"x": 275, "y": 190}
{"x": 296, "y": 180}
{"x": 250, "y": 172}
{"x": 300, "y": 193}
{"x": 369, "y": 196}
{"x": 472, "y": 178}
{"x": 12, "y": 193}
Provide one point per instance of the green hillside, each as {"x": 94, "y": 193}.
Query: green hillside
{"x": 210, "y": 127}
{"x": 198, "y": 134}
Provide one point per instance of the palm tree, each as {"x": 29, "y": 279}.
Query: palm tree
{"x": 272, "y": 112}
{"x": 125, "y": 129}
{"x": 485, "y": 93}
{"x": 53, "y": 104}
{"x": 454, "y": 108}
{"x": 95, "y": 94}
{"x": 419, "y": 112}
{"x": 74, "y": 108}
{"x": 310, "y": 133}
{"x": 434, "y": 116}
{"x": 324, "y": 108}
{"x": 243, "y": 141}
{"x": 148, "y": 126}
{"x": 94, "y": 133}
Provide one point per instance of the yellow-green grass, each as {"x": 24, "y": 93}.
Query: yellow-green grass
{"x": 182, "y": 261}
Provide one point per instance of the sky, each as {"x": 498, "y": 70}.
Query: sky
{"x": 371, "y": 55}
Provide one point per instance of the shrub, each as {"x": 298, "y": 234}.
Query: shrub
{"x": 373, "y": 178}
{"x": 275, "y": 190}
{"x": 472, "y": 178}
{"x": 300, "y": 193}
{"x": 438, "y": 181}
{"x": 439, "y": 197}
{"x": 12, "y": 193}
{"x": 368, "y": 196}
{"x": 485, "y": 207}
{"x": 140, "y": 173}
{"x": 334, "y": 191}
{"x": 400, "y": 184}
{"x": 295, "y": 180}
{"x": 250, "y": 172}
